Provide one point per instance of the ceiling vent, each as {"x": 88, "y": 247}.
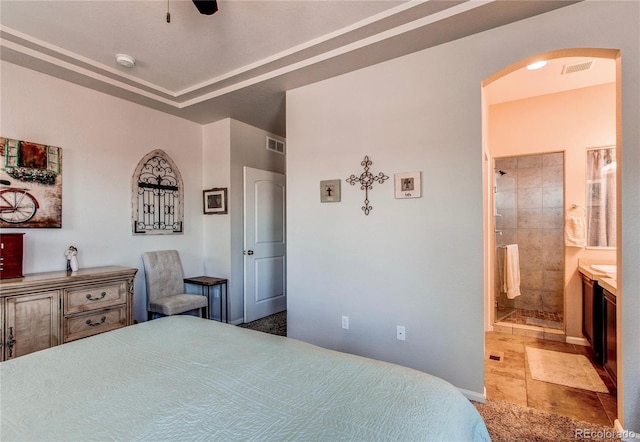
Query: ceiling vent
{"x": 578, "y": 67}
{"x": 275, "y": 145}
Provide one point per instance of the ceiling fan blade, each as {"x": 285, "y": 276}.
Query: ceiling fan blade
{"x": 206, "y": 7}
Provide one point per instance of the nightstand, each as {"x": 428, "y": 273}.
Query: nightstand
{"x": 206, "y": 282}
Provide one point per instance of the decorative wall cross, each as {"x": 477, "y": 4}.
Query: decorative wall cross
{"x": 366, "y": 180}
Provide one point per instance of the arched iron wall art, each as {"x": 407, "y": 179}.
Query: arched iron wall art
{"x": 366, "y": 180}
{"x": 157, "y": 196}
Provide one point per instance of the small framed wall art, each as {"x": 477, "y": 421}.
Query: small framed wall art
{"x": 330, "y": 191}
{"x": 215, "y": 201}
{"x": 408, "y": 185}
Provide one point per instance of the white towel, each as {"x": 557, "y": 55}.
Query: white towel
{"x": 511, "y": 279}
{"x": 575, "y": 231}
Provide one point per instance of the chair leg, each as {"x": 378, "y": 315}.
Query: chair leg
{"x": 149, "y": 315}
{"x": 204, "y": 312}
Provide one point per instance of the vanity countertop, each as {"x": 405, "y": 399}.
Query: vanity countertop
{"x": 609, "y": 284}
{"x": 591, "y": 273}
{"x": 584, "y": 267}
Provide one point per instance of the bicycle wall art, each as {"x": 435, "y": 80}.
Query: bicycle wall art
{"x": 30, "y": 185}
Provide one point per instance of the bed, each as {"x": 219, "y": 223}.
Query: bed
{"x": 186, "y": 378}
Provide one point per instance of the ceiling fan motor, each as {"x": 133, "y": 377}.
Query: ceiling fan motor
{"x": 206, "y": 7}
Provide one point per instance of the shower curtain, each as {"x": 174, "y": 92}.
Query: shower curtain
{"x": 601, "y": 197}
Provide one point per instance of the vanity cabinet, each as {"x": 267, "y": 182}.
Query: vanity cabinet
{"x": 610, "y": 343}
{"x": 41, "y": 310}
{"x": 592, "y": 316}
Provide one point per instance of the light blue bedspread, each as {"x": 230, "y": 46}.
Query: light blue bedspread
{"x": 184, "y": 378}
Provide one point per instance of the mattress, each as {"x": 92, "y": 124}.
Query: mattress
{"x": 186, "y": 378}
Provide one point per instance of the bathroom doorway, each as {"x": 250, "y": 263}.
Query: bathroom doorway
{"x": 524, "y": 117}
{"x": 562, "y": 110}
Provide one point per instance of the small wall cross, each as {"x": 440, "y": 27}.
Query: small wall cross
{"x": 366, "y": 180}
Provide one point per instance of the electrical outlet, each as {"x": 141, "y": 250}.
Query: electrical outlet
{"x": 345, "y": 322}
{"x": 400, "y": 333}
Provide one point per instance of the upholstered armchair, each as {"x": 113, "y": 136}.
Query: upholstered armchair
{"x": 165, "y": 286}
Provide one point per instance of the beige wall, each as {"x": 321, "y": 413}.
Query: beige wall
{"x": 228, "y": 145}
{"x": 566, "y": 122}
{"x": 216, "y": 173}
{"x": 102, "y": 139}
{"x": 248, "y": 148}
{"x": 419, "y": 263}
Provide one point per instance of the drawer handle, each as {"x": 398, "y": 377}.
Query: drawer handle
{"x": 91, "y": 324}
{"x": 102, "y": 295}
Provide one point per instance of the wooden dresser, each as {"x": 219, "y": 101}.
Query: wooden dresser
{"x": 41, "y": 310}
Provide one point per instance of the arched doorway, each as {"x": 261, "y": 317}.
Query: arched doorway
{"x": 526, "y": 121}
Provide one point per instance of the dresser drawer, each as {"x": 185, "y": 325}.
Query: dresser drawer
{"x": 9, "y": 269}
{"x": 81, "y": 326}
{"x": 94, "y": 297}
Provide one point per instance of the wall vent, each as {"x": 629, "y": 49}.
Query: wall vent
{"x": 578, "y": 67}
{"x": 275, "y": 145}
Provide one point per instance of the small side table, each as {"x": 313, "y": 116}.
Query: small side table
{"x": 208, "y": 282}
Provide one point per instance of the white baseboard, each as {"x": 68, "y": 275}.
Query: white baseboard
{"x": 617, "y": 426}
{"x": 577, "y": 341}
{"x": 625, "y": 435}
{"x": 474, "y": 396}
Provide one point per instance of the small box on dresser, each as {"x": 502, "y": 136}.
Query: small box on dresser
{"x": 11, "y": 255}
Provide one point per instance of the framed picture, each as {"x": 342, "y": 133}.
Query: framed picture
{"x": 408, "y": 185}
{"x": 215, "y": 201}
{"x": 330, "y": 191}
{"x": 31, "y": 185}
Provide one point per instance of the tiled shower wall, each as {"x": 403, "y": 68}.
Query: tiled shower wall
{"x": 530, "y": 201}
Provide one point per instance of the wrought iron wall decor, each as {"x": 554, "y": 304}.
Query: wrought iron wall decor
{"x": 157, "y": 195}
{"x": 366, "y": 180}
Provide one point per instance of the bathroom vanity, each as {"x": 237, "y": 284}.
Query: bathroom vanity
{"x": 592, "y": 307}
{"x": 599, "y": 314}
{"x": 610, "y": 352}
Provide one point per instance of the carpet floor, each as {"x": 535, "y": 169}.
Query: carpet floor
{"x": 274, "y": 324}
{"x": 505, "y": 421}
{"x": 509, "y": 422}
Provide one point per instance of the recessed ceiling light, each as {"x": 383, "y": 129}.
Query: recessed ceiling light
{"x": 537, "y": 65}
{"x": 125, "y": 60}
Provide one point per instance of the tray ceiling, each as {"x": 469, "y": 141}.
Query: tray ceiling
{"x": 239, "y": 62}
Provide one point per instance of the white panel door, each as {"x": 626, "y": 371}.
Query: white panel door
{"x": 264, "y": 244}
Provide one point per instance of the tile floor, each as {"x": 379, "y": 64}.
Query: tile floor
{"x": 510, "y": 380}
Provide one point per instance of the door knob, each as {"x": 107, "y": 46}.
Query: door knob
{"x": 248, "y": 252}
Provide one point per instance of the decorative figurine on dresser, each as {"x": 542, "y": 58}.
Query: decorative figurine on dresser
{"x": 72, "y": 259}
